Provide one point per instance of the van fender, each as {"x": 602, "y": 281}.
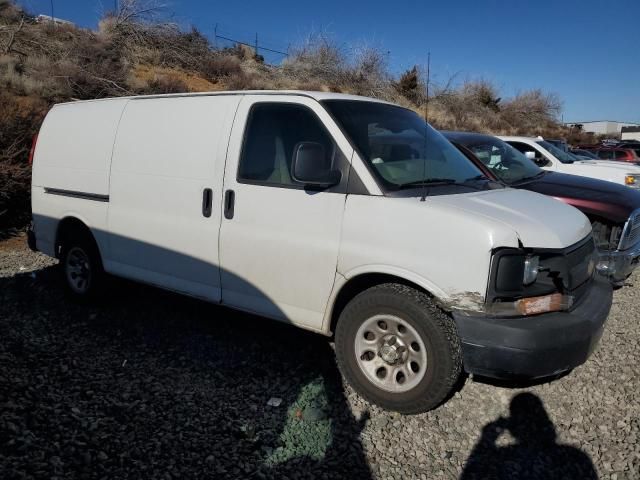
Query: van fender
{"x": 343, "y": 278}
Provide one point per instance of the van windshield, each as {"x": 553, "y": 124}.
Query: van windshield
{"x": 400, "y": 148}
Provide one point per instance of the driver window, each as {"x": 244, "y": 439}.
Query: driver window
{"x": 273, "y": 130}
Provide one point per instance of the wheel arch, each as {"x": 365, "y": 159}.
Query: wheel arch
{"x": 70, "y": 225}
{"x": 357, "y": 281}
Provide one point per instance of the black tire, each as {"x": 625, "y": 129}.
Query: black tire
{"x": 435, "y": 328}
{"x": 80, "y": 244}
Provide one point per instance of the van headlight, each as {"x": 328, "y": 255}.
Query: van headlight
{"x": 531, "y": 267}
{"x": 526, "y": 283}
{"x": 632, "y": 180}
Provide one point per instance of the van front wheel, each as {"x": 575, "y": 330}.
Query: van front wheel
{"x": 398, "y": 349}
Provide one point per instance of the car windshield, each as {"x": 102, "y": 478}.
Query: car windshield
{"x": 400, "y": 148}
{"x": 564, "y": 157}
{"x": 504, "y": 161}
{"x": 585, "y": 155}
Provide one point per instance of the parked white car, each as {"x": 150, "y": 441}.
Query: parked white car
{"x": 550, "y": 157}
{"x": 331, "y": 212}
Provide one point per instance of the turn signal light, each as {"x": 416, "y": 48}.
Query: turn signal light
{"x": 629, "y": 179}
{"x": 543, "y": 304}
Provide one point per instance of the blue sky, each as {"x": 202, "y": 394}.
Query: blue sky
{"x": 586, "y": 51}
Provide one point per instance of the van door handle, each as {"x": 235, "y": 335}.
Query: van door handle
{"x": 207, "y": 200}
{"x": 229, "y": 201}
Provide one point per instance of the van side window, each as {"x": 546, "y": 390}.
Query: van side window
{"x": 273, "y": 130}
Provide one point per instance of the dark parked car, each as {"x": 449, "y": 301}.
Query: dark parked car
{"x": 561, "y": 144}
{"x": 614, "y": 210}
{"x": 584, "y": 154}
{"x": 618, "y": 154}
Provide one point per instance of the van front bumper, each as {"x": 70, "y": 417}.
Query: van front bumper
{"x": 537, "y": 346}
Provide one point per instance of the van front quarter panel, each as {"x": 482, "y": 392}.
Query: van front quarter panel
{"x": 445, "y": 251}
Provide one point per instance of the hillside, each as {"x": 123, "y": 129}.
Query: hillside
{"x": 131, "y": 53}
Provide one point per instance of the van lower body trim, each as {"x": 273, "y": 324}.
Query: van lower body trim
{"x": 72, "y": 193}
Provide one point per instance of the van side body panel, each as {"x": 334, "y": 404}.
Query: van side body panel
{"x": 70, "y": 176}
{"x": 167, "y": 152}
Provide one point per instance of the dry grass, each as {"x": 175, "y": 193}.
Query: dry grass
{"x": 137, "y": 53}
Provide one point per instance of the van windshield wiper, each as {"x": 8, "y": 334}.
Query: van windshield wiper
{"x": 476, "y": 178}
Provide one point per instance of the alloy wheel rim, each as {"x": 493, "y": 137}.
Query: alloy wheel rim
{"x": 390, "y": 353}
{"x": 78, "y": 270}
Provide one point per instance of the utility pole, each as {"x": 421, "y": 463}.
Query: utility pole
{"x": 115, "y": 7}
{"x": 52, "y": 17}
{"x": 215, "y": 36}
{"x": 256, "y": 44}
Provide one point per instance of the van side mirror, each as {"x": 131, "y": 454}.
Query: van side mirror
{"x": 312, "y": 167}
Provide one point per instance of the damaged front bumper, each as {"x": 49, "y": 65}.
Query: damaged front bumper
{"x": 535, "y": 346}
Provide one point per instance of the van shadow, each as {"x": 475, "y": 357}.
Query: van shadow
{"x": 534, "y": 452}
{"x": 151, "y": 384}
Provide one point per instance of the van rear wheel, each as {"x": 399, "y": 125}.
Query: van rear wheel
{"x": 81, "y": 266}
{"x": 398, "y": 349}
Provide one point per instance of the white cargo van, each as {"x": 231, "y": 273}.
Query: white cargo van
{"x": 339, "y": 214}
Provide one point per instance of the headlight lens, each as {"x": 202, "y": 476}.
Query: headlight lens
{"x": 531, "y": 267}
{"x": 631, "y": 180}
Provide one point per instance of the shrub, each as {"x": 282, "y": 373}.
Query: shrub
{"x": 218, "y": 66}
{"x": 408, "y": 85}
{"x": 136, "y": 51}
{"x": 19, "y": 120}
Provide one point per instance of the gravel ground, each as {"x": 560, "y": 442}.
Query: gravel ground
{"x": 155, "y": 385}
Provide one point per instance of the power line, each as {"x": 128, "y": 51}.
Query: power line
{"x": 255, "y": 46}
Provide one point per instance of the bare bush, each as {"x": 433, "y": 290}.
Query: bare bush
{"x": 317, "y": 58}
{"x": 19, "y": 119}
{"x": 216, "y": 66}
{"x": 532, "y": 111}
{"x": 137, "y": 51}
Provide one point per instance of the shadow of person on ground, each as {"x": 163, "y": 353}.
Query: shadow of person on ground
{"x": 152, "y": 384}
{"x": 534, "y": 453}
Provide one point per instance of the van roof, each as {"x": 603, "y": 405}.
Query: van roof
{"x": 311, "y": 94}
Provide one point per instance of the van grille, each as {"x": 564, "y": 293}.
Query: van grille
{"x": 631, "y": 233}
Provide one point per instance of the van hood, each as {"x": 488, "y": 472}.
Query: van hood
{"x": 609, "y": 164}
{"x": 538, "y": 220}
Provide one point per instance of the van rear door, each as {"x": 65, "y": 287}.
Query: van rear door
{"x": 279, "y": 239}
{"x": 165, "y": 192}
